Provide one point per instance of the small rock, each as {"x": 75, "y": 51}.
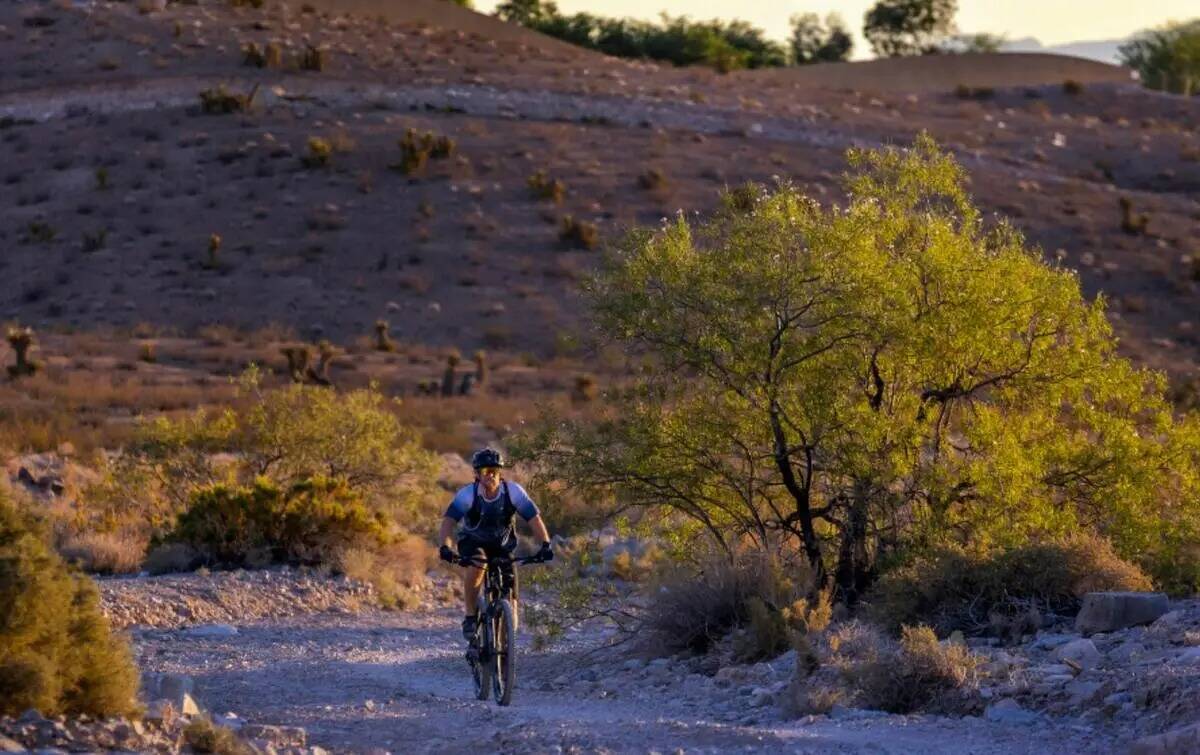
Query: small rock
{"x": 1009, "y": 711}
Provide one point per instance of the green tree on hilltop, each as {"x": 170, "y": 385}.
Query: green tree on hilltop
{"x": 1167, "y": 58}
{"x": 897, "y": 28}
{"x": 817, "y": 41}
{"x": 866, "y": 381}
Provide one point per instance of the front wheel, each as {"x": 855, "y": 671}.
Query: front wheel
{"x": 504, "y": 671}
{"x": 482, "y": 667}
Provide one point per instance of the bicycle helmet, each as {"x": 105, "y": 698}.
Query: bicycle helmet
{"x": 487, "y": 457}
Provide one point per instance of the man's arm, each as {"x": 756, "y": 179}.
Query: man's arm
{"x": 446, "y": 532}
{"x": 539, "y": 529}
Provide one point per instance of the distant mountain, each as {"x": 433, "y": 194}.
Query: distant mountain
{"x": 1104, "y": 50}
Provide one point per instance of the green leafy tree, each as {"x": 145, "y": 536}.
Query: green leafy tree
{"x": 865, "y": 381}
{"x": 898, "y": 28}
{"x": 817, "y": 41}
{"x": 529, "y": 13}
{"x": 1167, "y": 58}
{"x": 981, "y": 42}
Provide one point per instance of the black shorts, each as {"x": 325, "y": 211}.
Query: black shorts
{"x": 469, "y": 545}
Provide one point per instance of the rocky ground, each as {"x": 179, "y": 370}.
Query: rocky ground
{"x": 296, "y": 662}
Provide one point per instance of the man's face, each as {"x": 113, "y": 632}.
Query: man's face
{"x": 489, "y": 477}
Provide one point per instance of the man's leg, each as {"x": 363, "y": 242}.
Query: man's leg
{"x": 472, "y": 582}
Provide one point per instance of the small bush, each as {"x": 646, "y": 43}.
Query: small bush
{"x": 309, "y": 523}
{"x": 320, "y": 151}
{"x": 1072, "y": 87}
{"x": 964, "y": 92}
{"x": 765, "y": 634}
{"x": 416, "y": 149}
{"x": 1131, "y": 223}
{"x": 578, "y": 233}
{"x": 57, "y": 653}
{"x": 543, "y": 187}
{"x": 652, "y": 180}
{"x": 268, "y": 56}
{"x": 104, "y": 552}
{"x": 918, "y": 674}
{"x": 314, "y": 59}
{"x": 202, "y": 735}
{"x": 953, "y": 590}
{"x": 691, "y": 612}
{"x": 219, "y": 101}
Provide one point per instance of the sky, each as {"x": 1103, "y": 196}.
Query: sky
{"x": 1050, "y": 21}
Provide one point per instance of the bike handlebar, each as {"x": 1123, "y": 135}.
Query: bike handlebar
{"x": 476, "y": 561}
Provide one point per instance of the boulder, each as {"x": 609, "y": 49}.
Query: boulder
{"x": 1109, "y": 611}
{"x": 1081, "y": 653}
{"x": 1182, "y": 741}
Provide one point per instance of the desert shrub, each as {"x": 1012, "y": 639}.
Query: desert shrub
{"x": 202, "y": 735}
{"x": 920, "y": 673}
{"x": 764, "y": 635}
{"x": 393, "y": 569}
{"x": 219, "y": 101}
{"x": 1072, "y": 87}
{"x": 544, "y": 187}
{"x": 57, "y": 653}
{"x": 954, "y": 590}
{"x": 417, "y": 148}
{"x": 289, "y": 434}
{"x": 320, "y": 151}
{"x": 105, "y": 552}
{"x": 578, "y": 233}
{"x": 652, "y": 180}
{"x": 692, "y": 610}
{"x": 309, "y": 522}
{"x": 314, "y": 59}
{"x": 1131, "y": 222}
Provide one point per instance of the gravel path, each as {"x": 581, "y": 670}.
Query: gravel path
{"x": 398, "y": 682}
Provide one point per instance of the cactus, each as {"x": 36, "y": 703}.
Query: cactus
{"x": 21, "y": 340}
{"x": 1130, "y": 223}
{"x": 481, "y": 368}
{"x": 448, "y": 377}
{"x": 383, "y": 341}
{"x": 297, "y": 359}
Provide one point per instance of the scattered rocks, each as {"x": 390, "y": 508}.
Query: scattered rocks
{"x": 1079, "y": 653}
{"x": 1182, "y": 741}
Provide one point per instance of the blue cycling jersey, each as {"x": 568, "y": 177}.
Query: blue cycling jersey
{"x": 466, "y": 496}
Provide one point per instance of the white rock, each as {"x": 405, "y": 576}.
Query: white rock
{"x": 211, "y": 631}
{"x": 1082, "y": 652}
{"x": 1009, "y": 711}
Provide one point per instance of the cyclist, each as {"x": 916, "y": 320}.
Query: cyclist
{"x": 486, "y": 510}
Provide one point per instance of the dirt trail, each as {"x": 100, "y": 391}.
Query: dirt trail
{"x": 398, "y": 682}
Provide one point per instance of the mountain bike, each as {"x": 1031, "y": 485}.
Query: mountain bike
{"x": 492, "y": 653}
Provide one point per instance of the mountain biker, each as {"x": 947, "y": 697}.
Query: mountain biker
{"x": 486, "y": 509}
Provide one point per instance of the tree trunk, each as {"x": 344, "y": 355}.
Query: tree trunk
{"x": 854, "y": 567}
{"x": 808, "y": 535}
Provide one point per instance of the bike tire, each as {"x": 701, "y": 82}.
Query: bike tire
{"x": 505, "y": 666}
{"x": 482, "y": 669}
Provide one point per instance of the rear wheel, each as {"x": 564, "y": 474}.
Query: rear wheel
{"x": 505, "y": 666}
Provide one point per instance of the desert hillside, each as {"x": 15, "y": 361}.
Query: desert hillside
{"x": 117, "y": 179}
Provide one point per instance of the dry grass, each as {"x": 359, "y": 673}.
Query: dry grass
{"x": 105, "y": 552}
{"x": 954, "y": 590}
{"x": 918, "y": 674}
